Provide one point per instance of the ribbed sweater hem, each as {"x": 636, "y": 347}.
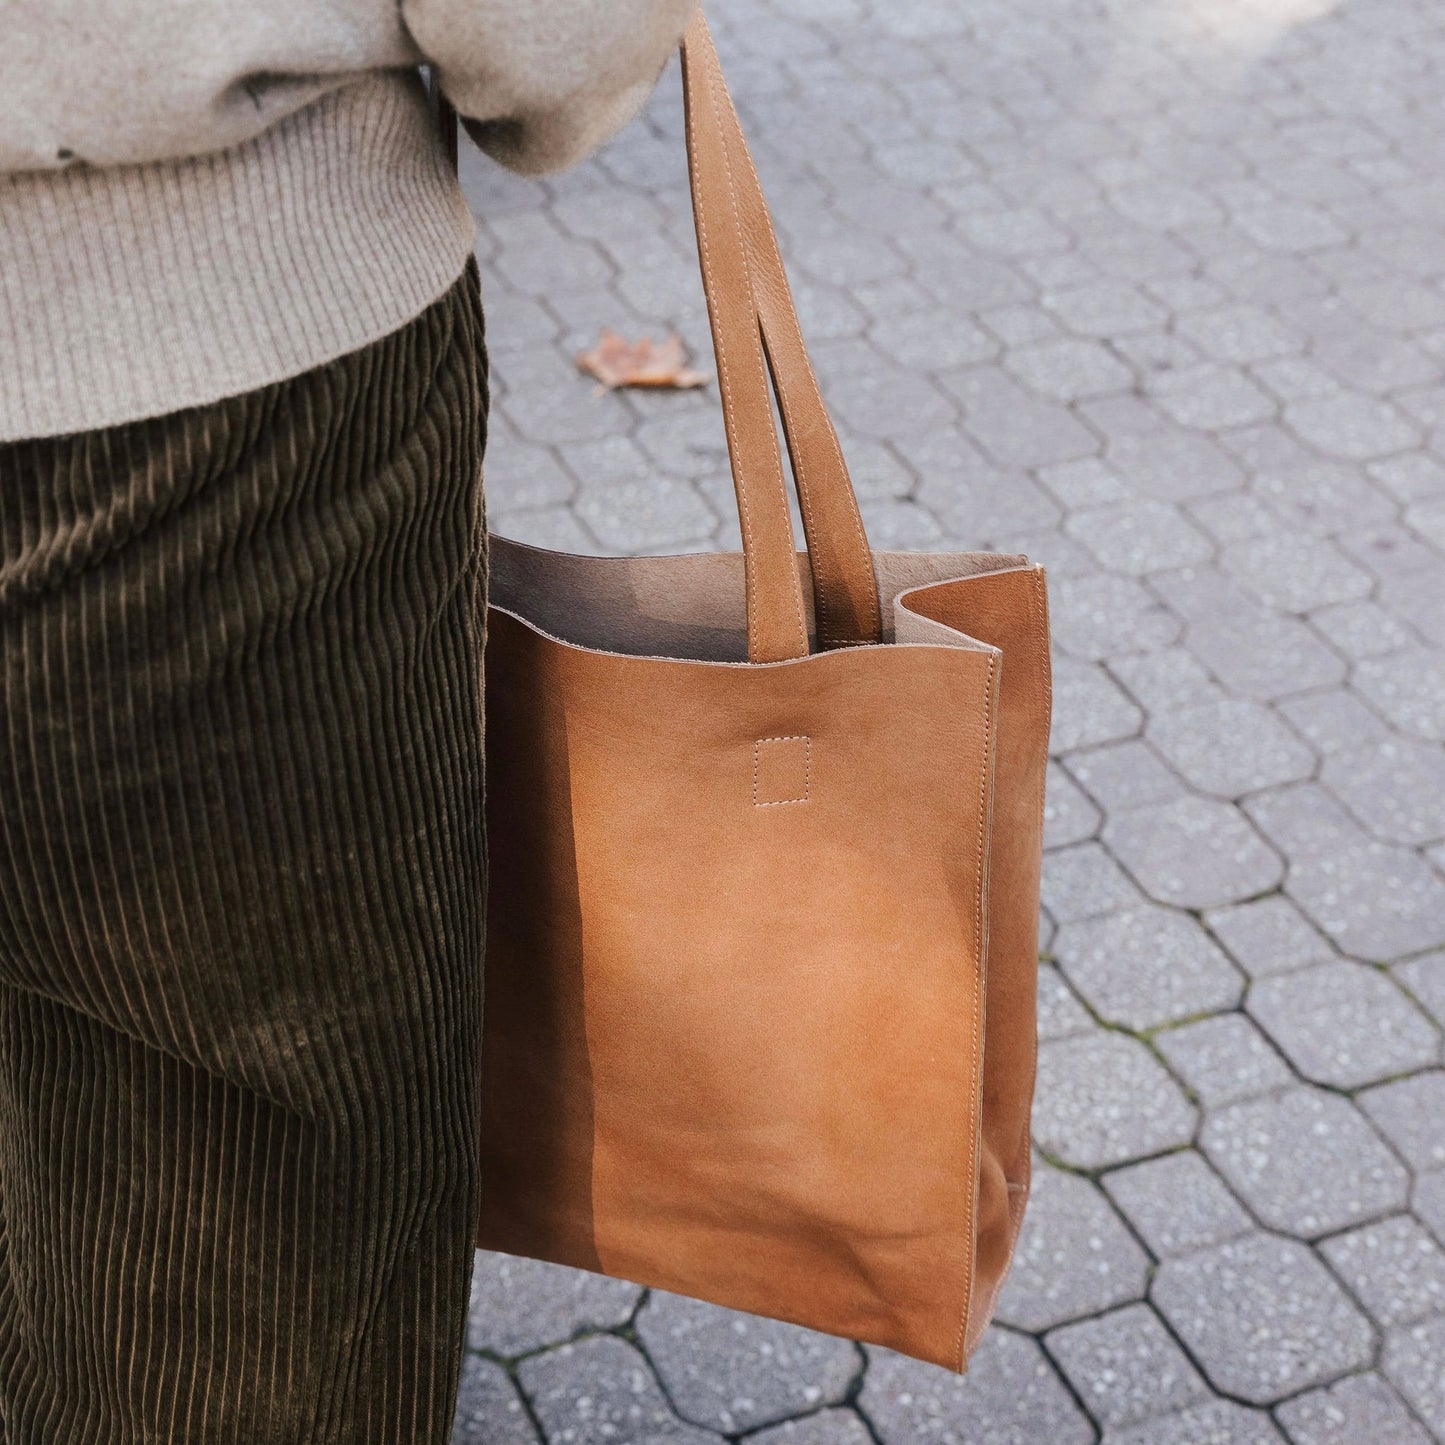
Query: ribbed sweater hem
{"x": 135, "y": 291}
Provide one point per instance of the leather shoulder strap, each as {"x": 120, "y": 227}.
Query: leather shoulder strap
{"x": 845, "y": 587}
{"x": 758, "y": 341}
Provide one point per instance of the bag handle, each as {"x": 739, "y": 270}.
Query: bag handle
{"x": 760, "y": 348}
{"x": 728, "y": 196}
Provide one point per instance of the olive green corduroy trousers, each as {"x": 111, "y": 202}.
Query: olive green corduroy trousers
{"x": 242, "y": 874}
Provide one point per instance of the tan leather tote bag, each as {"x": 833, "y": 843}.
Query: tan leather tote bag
{"x": 764, "y": 835}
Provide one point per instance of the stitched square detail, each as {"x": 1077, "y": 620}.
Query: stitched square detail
{"x": 782, "y": 771}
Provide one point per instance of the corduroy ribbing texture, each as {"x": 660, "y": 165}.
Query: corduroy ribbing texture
{"x": 242, "y": 891}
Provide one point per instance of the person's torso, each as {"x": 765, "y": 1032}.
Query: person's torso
{"x": 198, "y": 198}
{"x": 133, "y": 81}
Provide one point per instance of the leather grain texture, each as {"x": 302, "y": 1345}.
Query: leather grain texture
{"x": 764, "y": 832}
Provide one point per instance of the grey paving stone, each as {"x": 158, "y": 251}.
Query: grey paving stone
{"x": 1069, "y": 815}
{"x": 1177, "y": 1203}
{"x": 1074, "y": 1256}
{"x": 1411, "y": 1115}
{"x": 1233, "y": 516}
{"x": 1168, "y": 679}
{"x": 1088, "y": 483}
{"x": 1262, "y": 1316}
{"x": 1306, "y": 1162}
{"x": 1230, "y": 748}
{"x": 1104, "y": 309}
{"x": 916, "y": 340}
{"x": 1068, "y": 369}
{"x": 534, "y": 256}
{"x": 1428, "y": 518}
{"x": 1193, "y": 853}
{"x": 1089, "y": 707}
{"x": 1021, "y": 325}
{"x": 519, "y": 1305}
{"x": 1373, "y": 363}
{"x": 515, "y": 323}
{"x": 650, "y": 514}
{"x": 1047, "y": 929}
{"x": 1147, "y": 966}
{"x": 1219, "y": 1422}
{"x": 520, "y": 475}
{"x": 1303, "y": 820}
{"x": 730, "y": 1371}
{"x": 1280, "y": 226}
{"x": 827, "y": 1427}
{"x": 1411, "y": 1362}
{"x": 1377, "y": 901}
{"x": 1361, "y": 1408}
{"x": 973, "y": 499}
{"x": 1102, "y": 1098}
{"x": 1083, "y": 881}
{"x": 1332, "y": 720}
{"x": 683, "y": 440}
{"x": 1311, "y": 493}
{"x": 1395, "y": 787}
{"x": 1094, "y": 616}
{"x": 489, "y": 1410}
{"x": 1294, "y": 572}
{"x": 1394, "y": 304}
{"x": 1012, "y": 424}
{"x": 1427, "y": 1199}
{"x": 1344, "y": 1024}
{"x": 1351, "y": 425}
{"x": 1237, "y": 332}
{"x": 602, "y": 1390}
{"x": 1011, "y": 1396}
{"x": 1410, "y": 600}
{"x": 899, "y": 524}
{"x": 1410, "y": 477}
{"x": 1254, "y": 652}
{"x": 1387, "y": 550}
{"x": 1125, "y": 1366}
{"x": 1395, "y": 1268}
{"x": 1360, "y": 629}
{"x": 1268, "y": 935}
{"x": 1291, "y": 378}
{"x": 555, "y": 528}
{"x": 1059, "y": 1010}
{"x": 547, "y": 402}
{"x": 1137, "y": 537}
{"x": 1116, "y": 417}
{"x": 1425, "y": 978}
{"x": 1224, "y": 1059}
{"x": 884, "y": 401}
{"x": 1124, "y": 775}
{"x": 1173, "y": 465}
{"x": 1408, "y": 689}
{"x": 1210, "y": 397}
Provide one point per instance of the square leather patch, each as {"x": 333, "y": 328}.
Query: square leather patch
{"x": 782, "y": 770}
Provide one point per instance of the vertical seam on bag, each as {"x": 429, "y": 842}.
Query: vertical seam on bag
{"x": 1041, "y": 641}
{"x": 753, "y": 330}
{"x": 1041, "y": 633}
{"x": 979, "y": 944}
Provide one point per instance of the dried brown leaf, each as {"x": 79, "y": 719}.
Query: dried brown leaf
{"x": 615, "y": 361}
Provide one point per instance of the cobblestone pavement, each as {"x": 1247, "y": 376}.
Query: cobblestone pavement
{"x": 1153, "y": 290}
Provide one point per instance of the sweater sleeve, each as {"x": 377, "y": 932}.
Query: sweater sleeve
{"x": 540, "y": 84}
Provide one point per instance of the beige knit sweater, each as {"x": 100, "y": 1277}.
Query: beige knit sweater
{"x": 199, "y": 197}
